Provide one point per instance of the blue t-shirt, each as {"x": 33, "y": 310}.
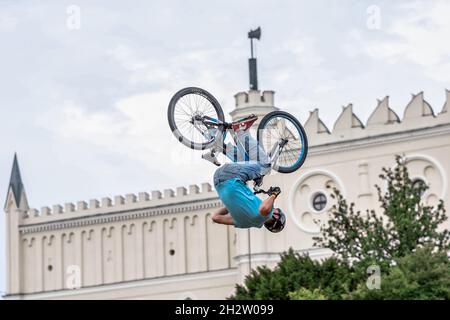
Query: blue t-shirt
{"x": 242, "y": 204}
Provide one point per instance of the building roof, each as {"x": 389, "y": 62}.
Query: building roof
{"x": 15, "y": 182}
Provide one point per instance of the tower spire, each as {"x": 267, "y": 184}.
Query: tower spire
{"x": 253, "y": 101}
{"x": 253, "y": 34}
{"x": 15, "y": 183}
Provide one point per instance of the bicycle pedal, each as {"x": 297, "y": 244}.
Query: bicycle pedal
{"x": 211, "y": 157}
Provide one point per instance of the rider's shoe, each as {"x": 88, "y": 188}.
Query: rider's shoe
{"x": 245, "y": 123}
{"x": 211, "y": 157}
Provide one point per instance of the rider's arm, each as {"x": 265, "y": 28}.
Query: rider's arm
{"x": 222, "y": 211}
{"x": 222, "y": 216}
{"x": 267, "y": 205}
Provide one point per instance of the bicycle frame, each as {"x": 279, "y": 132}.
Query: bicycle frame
{"x": 219, "y": 146}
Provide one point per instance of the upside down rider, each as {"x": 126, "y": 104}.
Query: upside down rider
{"x": 243, "y": 208}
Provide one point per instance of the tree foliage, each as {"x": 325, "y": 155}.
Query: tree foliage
{"x": 404, "y": 239}
{"x": 421, "y": 275}
{"x": 406, "y": 222}
{"x": 333, "y": 277}
{"x": 306, "y": 294}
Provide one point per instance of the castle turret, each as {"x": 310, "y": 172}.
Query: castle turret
{"x": 253, "y": 102}
{"x": 16, "y": 206}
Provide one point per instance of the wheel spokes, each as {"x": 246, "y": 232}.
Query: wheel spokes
{"x": 282, "y": 129}
{"x": 187, "y": 108}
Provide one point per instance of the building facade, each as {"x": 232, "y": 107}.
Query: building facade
{"x": 164, "y": 245}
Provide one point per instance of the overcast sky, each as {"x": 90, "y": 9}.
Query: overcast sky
{"x": 85, "y": 108}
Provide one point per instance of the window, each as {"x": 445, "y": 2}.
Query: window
{"x": 319, "y": 201}
{"x": 417, "y": 183}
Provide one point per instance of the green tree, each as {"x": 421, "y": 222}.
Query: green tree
{"x": 405, "y": 224}
{"x": 420, "y": 275}
{"x": 305, "y": 294}
{"x": 334, "y": 278}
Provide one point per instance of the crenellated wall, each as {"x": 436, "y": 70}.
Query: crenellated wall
{"x": 130, "y": 238}
{"x": 157, "y": 200}
{"x": 383, "y": 120}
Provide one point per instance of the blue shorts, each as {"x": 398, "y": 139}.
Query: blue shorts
{"x": 242, "y": 171}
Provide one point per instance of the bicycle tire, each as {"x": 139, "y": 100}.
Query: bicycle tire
{"x": 304, "y": 140}
{"x": 171, "y": 118}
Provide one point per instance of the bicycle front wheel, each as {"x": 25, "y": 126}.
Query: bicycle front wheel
{"x": 281, "y": 129}
{"x": 186, "y": 114}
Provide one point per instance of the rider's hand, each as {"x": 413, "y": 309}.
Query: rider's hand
{"x": 274, "y": 191}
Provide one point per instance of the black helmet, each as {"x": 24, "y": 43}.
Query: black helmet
{"x": 277, "y": 222}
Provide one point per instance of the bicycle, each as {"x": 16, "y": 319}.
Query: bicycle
{"x": 197, "y": 120}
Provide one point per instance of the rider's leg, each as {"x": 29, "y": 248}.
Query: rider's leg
{"x": 252, "y": 147}
{"x": 248, "y": 150}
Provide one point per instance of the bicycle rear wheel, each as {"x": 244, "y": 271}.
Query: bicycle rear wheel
{"x": 186, "y": 110}
{"x": 281, "y": 127}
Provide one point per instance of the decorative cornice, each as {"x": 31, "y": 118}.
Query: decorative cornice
{"x": 124, "y": 215}
{"x": 264, "y": 257}
{"x": 379, "y": 139}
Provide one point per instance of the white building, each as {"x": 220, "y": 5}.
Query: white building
{"x": 164, "y": 245}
